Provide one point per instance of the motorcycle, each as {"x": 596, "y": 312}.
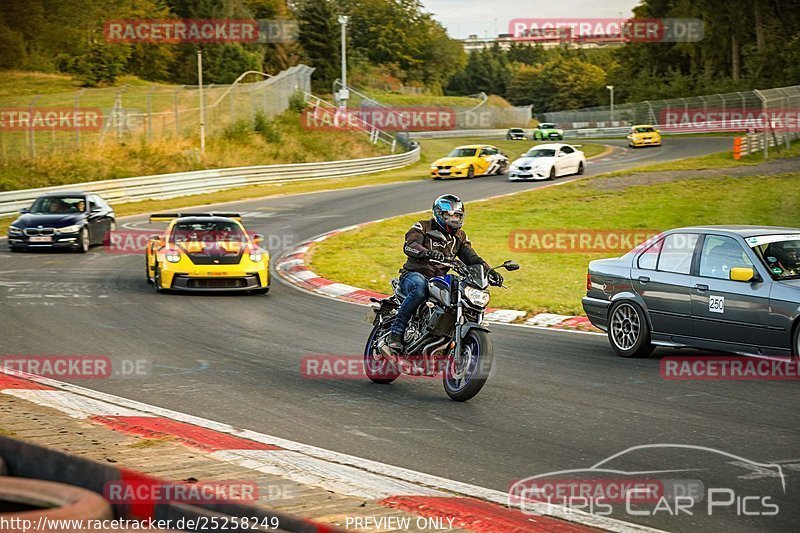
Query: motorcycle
{"x": 446, "y": 333}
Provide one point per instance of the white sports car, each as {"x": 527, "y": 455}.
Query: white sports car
{"x": 547, "y": 161}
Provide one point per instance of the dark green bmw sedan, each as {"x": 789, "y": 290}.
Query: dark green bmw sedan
{"x": 724, "y": 288}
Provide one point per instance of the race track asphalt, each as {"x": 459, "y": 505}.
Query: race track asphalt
{"x": 555, "y": 400}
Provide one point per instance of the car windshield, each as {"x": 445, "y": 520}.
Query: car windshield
{"x": 463, "y": 152}
{"x": 780, "y": 254}
{"x": 644, "y": 129}
{"x": 207, "y": 232}
{"x": 541, "y": 152}
{"x": 547, "y": 126}
{"x": 516, "y": 130}
{"x": 59, "y": 205}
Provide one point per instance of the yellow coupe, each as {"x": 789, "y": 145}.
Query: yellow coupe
{"x": 469, "y": 161}
{"x": 644, "y": 135}
{"x": 206, "y": 252}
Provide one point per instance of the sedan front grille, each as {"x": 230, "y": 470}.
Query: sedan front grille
{"x": 39, "y": 231}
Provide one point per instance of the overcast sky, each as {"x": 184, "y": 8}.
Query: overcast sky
{"x": 490, "y": 17}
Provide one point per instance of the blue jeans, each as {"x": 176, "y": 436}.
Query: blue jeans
{"x": 415, "y": 287}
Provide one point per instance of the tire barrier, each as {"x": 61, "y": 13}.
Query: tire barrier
{"x": 73, "y": 486}
{"x": 33, "y": 499}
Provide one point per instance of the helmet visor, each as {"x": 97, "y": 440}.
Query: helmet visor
{"x": 453, "y": 218}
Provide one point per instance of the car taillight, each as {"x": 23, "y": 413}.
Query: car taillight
{"x": 588, "y": 281}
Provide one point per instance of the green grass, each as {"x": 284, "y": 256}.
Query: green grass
{"x": 555, "y": 282}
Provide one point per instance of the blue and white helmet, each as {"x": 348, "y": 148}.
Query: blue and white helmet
{"x": 448, "y": 211}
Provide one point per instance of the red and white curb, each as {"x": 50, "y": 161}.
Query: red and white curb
{"x": 472, "y": 507}
{"x": 293, "y": 268}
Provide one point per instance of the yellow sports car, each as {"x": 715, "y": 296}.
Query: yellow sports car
{"x": 644, "y": 135}
{"x": 206, "y": 252}
{"x": 468, "y": 161}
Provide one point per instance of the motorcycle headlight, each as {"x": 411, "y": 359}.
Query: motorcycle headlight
{"x": 69, "y": 229}
{"x": 13, "y": 230}
{"x": 256, "y": 256}
{"x": 172, "y": 255}
{"x": 477, "y": 296}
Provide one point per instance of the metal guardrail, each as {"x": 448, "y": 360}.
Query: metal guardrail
{"x": 164, "y": 186}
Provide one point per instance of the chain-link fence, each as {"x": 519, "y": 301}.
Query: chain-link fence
{"x": 46, "y": 123}
{"x": 772, "y": 113}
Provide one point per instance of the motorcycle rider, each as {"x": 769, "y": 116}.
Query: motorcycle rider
{"x": 421, "y": 249}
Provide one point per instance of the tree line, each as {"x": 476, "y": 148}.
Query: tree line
{"x": 747, "y": 44}
{"x": 390, "y": 39}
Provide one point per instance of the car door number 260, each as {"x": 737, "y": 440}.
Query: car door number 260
{"x": 716, "y": 304}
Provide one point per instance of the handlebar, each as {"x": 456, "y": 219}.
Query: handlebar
{"x": 459, "y": 268}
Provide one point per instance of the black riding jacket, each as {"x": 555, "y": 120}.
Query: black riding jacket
{"x": 418, "y": 244}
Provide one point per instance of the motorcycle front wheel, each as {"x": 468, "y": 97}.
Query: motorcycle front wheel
{"x": 376, "y": 366}
{"x": 463, "y": 381}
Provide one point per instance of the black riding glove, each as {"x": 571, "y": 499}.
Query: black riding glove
{"x": 495, "y": 278}
{"x": 436, "y": 255}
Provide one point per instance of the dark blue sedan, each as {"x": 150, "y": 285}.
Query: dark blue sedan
{"x": 63, "y": 220}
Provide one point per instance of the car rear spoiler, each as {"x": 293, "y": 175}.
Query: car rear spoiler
{"x": 167, "y": 217}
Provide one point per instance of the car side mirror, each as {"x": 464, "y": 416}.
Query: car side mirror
{"x": 561, "y": 154}
{"x": 158, "y": 240}
{"x": 435, "y": 234}
{"x": 746, "y": 274}
{"x": 24, "y": 210}
{"x": 257, "y": 239}
{"x": 510, "y": 266}
{"x": 658, "y": 131}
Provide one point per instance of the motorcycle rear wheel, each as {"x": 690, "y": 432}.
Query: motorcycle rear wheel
{"x": 477, "y": 345}
{"x": 381, "y": 370}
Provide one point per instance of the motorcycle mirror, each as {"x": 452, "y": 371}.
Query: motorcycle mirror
{"x": 511, "y": 265}
{"x": 436, "y": 235}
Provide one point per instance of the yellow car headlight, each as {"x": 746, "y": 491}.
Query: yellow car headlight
{"x": 172, "y": 255}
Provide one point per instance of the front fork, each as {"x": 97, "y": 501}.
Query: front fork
{"x": 462, "y": 328}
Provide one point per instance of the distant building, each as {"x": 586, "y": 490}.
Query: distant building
{"x": 552, "y": 38}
